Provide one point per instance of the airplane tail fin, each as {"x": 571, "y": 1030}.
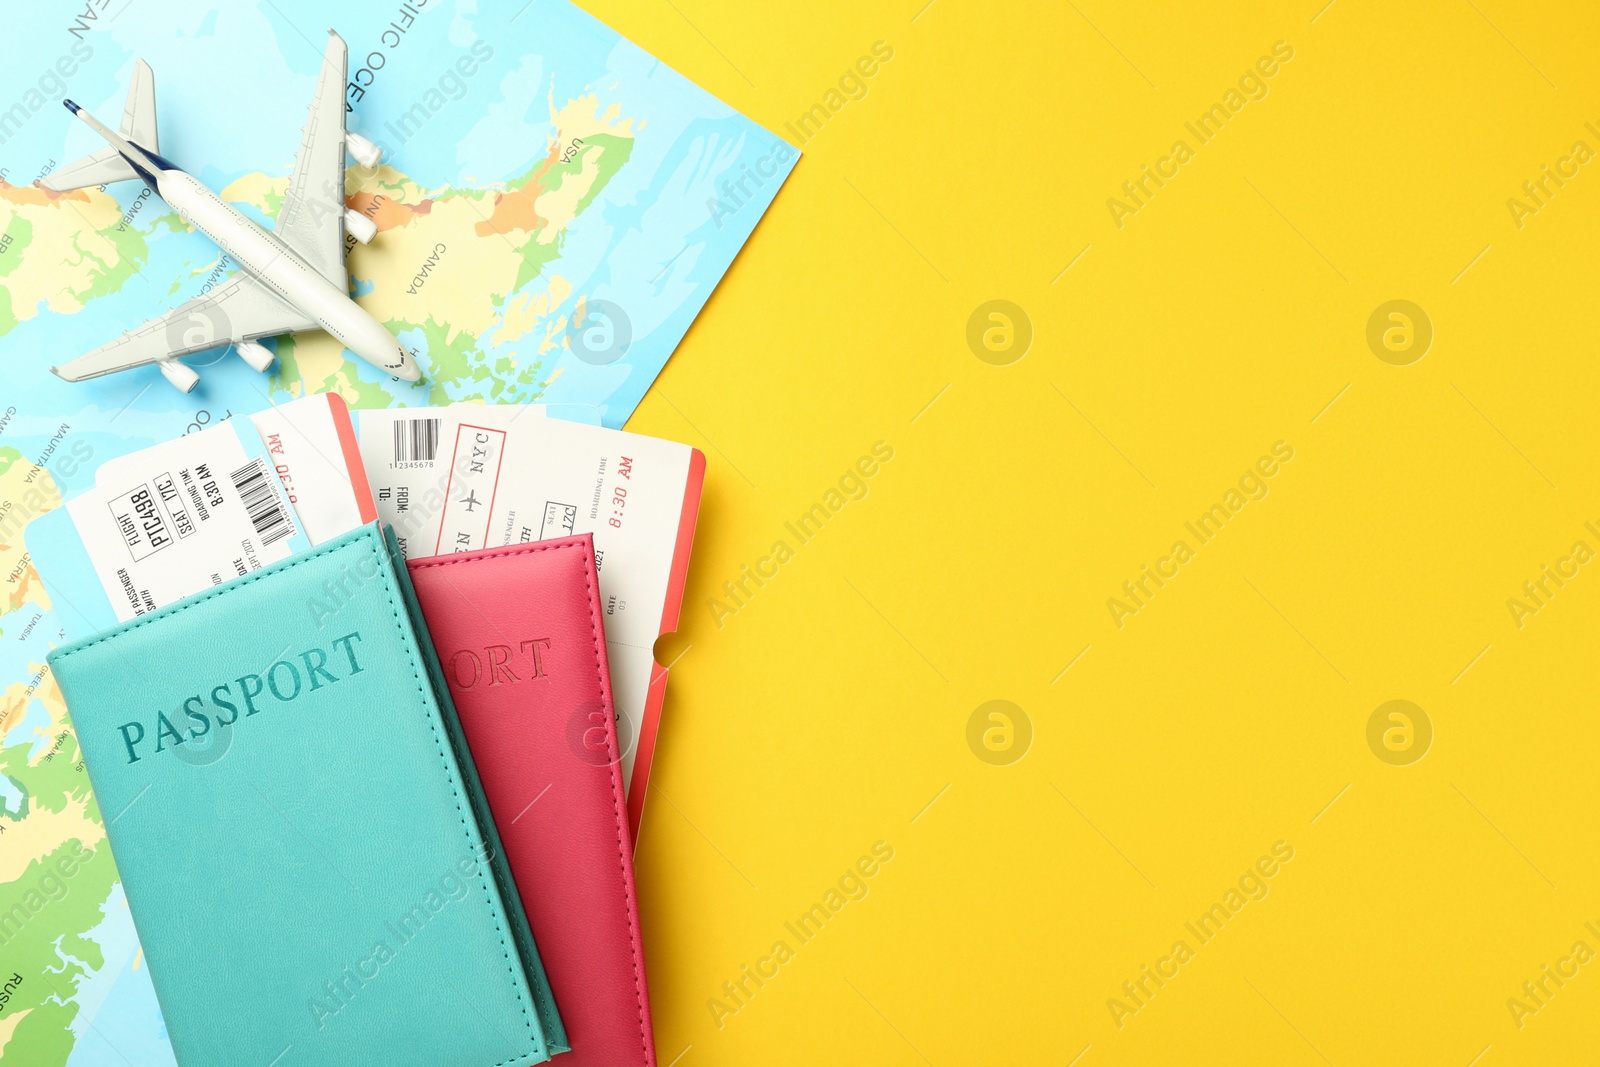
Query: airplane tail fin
{"x": 107, "y": 165}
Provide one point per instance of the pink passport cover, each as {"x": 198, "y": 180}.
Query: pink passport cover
{"x": 521, "y": 643}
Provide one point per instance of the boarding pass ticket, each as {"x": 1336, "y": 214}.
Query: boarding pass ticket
{"x": 490, "y": 475}
{"x": 399, "y": 450}
{"x": 179, "y": 517}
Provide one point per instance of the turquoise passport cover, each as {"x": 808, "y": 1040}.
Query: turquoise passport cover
{"x": 305, "y": 847}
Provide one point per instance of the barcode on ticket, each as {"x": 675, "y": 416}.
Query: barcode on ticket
{"x": 268, "y": 513}
{"x": 416, "y": 440}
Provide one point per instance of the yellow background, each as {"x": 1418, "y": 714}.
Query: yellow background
{"x": 830, "y": 711}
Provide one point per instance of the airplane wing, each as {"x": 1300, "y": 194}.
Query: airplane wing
{"x": 312, "y": 218}
{"x": 238, "y": 310}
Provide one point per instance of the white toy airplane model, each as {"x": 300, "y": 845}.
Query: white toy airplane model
{"x": 291, "y": 279}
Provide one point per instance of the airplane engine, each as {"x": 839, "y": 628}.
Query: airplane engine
{"x": 359, "y": 226}
{"x": 366, "y": 153}
{"x": 257, "y": 355}
{"x": 180, "y": 374}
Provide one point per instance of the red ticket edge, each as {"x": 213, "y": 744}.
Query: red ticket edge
{"x": 352, "y": 457}
{"x": 657, "y": 693}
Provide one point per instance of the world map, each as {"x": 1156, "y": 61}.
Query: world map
{"x": 554, "y": 208}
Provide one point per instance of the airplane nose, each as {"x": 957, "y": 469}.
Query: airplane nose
{"x": 409, "y": 371}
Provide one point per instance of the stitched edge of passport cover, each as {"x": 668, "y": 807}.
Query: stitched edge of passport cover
{"x": 619, "y": 805}
{"x": 368, "y": 537}
{"x": 555, "y": 1032}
